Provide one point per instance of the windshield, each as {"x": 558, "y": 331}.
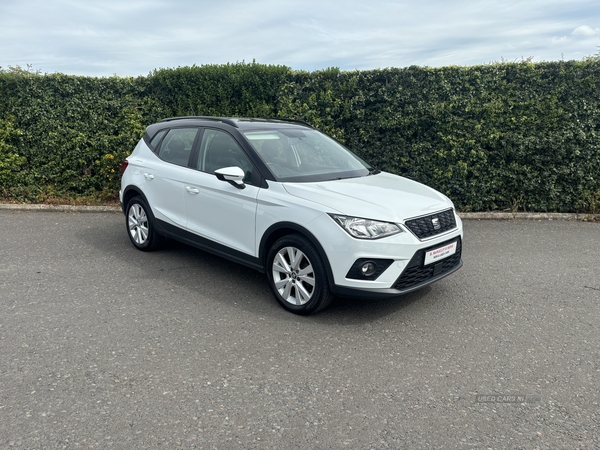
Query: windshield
{"x": 305, "y": 155}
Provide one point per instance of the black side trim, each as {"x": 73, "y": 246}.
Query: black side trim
{"x": 207, "y": 245}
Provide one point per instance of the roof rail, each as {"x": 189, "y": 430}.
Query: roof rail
{"x": 285, "y": 119}
{"x": 214, "y": 119}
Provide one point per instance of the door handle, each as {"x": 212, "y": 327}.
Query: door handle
{"x": 192, "y": 190}
{"x": 149, "y": 176}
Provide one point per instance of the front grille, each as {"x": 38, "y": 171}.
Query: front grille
{"x": 415, "y": 273}
{"x": 433, "y": 224}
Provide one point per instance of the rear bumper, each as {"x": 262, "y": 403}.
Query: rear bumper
{"x": 121, "y": 200}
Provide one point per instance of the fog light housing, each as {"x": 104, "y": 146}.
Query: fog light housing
{"x": 368, "y": 268}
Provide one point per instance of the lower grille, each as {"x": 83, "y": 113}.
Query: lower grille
{"x": 416, "y": 273}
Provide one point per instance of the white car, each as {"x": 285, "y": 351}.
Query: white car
{"x": 285, "y": 199}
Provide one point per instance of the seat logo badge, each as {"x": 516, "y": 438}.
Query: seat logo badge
{"x": 436, "y": 223}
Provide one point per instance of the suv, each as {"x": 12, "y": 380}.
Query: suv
{"x": 283, "y": 198}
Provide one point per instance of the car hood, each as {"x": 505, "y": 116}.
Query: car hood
{"x": 381, "y": 197}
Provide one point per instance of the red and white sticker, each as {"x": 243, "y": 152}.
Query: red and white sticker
{"x": 440, "y": 253}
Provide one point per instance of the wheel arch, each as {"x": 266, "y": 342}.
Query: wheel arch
{"x": 134, "y": 191}
{"x": 129, "y": 193}
{"x": 279, "y": 230}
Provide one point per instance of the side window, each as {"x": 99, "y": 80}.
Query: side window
{"x": 156, "y": 140}
{"x": 177, "y": 146}
{"x": 218, "y": 150}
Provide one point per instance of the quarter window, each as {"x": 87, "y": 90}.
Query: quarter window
{"x": 156, "y": 140}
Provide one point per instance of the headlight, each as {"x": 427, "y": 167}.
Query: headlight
{"x": 365, "y": 228}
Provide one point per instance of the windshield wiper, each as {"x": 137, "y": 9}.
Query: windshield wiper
{"x": 347, "y": 178}
{"x": 372, "y": 171}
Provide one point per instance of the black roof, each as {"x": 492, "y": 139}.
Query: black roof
{"x": 235, "y": 122}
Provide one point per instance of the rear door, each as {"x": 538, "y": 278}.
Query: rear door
{"x": 164, "y": 174}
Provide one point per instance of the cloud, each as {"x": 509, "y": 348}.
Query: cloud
{"x": 585, "y": 30}
{"x": 136, "y": 36}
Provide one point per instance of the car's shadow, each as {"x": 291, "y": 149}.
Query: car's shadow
{"x": 224, "y": 281}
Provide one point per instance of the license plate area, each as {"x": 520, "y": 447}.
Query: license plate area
{"x": 440, "y": 253}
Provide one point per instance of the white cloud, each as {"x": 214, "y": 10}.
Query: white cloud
{"x": 585, "y": 30}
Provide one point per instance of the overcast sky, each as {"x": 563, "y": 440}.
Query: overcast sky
{"x": 134, "y": 37}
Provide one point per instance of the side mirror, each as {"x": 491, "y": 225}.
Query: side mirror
{"x": 233, "y": 175}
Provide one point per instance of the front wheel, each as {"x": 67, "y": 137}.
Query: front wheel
{"x": 140, "y": 226}
{"x": 297, "y": 275}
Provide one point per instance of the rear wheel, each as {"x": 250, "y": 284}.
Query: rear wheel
{"x": 140, "y": 225}
{"x": 297, "y": 275}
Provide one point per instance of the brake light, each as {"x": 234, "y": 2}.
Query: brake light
{"x": 124, "y": 166}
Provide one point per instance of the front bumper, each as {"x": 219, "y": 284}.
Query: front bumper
{"x": 415, "y": 276}
{"x": 342, "y": 251}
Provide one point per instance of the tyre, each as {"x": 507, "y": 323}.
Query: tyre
{"x": 297, "y": 275}
{"x": 140, "y": 226}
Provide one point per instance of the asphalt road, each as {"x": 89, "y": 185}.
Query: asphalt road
{"x": 103, "y": 346}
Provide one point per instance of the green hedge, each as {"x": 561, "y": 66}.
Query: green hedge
{"x": 65, "y": 135}
{"x": 517, "y": 136}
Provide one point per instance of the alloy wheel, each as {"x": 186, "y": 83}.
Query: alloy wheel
{"x": 138, "y": 224}
{"x": 293, "y": 275}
